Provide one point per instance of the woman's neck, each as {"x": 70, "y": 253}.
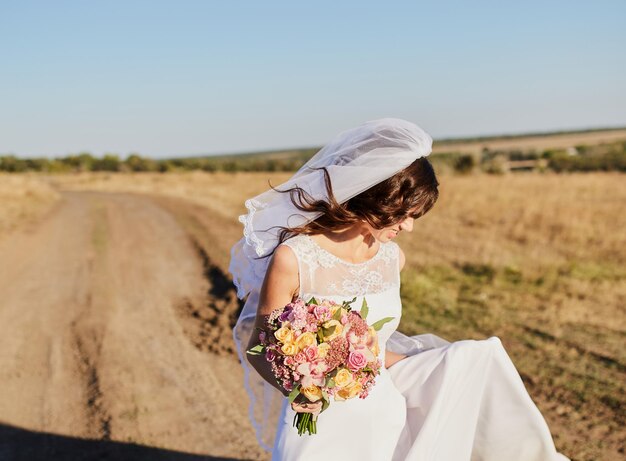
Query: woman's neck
{"x": 353, "y": 243}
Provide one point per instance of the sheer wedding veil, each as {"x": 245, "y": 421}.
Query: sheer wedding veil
{"x": 356, "y": 160}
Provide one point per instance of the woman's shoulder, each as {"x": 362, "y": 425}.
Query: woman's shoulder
{"x": 294, "y": 250}
{"x": 284, "y": 265}
{"x": 294, "y": 241}
{"x": 285, "y": 255}
{"x": 293, "y": 245}
{"x": 401, "y": 256}
{"x": 389, "y": 248}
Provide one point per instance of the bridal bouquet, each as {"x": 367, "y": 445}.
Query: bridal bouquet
{"x": 322, "y": 350}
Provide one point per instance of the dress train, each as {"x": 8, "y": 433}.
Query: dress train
{"x": 466, "y": 401}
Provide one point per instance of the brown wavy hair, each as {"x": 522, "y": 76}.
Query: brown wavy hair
{"x": 382, "y": 205}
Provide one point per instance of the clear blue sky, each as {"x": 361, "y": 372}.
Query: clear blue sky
{"x": 193, "y": 77}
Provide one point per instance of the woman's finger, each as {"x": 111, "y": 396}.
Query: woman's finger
{"x": 307, "y": 407}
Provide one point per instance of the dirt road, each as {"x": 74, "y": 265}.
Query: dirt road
{"x": 114, "y": 338}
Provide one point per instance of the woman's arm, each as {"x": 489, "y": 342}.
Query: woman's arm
{"x": 280, "y": 286}
{"x": 392, "y": 357}
{"x": 278, "y": 289}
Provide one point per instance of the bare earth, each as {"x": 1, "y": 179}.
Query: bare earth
{"x": 106, "y": 351}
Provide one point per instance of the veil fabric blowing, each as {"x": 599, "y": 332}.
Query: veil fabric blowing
{"x": 356, "y": 160}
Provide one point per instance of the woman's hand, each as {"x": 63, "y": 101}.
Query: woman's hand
{"x": 392, "y": 357}
{"x": 307, "y": 407}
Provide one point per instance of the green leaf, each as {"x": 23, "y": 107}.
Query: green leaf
{"x": 330, "y": 383}
{"x": 329, "y": 331}
{"x": 313, "y": 301}
{"x": 337, "y": 315}
{"x": 256, "y": 350}
{"x": 320, "y": 336}
{"x": 364, "y": 309}
{"x": 378, "y": 325}
{"x": 293, "y": 394}
{"x": 326, "y": 403}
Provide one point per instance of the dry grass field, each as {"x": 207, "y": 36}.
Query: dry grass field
{"x": 527, "y": 143}
{"x": 24, "y": 199}
{"x": 536, "y": 259}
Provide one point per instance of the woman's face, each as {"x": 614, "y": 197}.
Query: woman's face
{"x": 389, "y": 233}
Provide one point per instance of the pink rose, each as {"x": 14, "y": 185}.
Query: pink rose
{"x": 311, "y": 353}
{"x": 289, "y": 361}
{"x": 300, "y": 357}
{"x": 321, "y": 312}
{"x": 356, "y": 361}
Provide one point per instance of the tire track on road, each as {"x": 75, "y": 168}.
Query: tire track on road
{"x": 92, "y": 344}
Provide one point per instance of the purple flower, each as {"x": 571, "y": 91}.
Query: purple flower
{"x": 285, "y": 315}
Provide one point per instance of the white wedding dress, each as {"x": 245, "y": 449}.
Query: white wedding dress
{"x": 461, "y": 401}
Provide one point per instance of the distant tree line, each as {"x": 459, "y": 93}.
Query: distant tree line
{"x": 135, "y": 163}
{"x": 601, "y": 157}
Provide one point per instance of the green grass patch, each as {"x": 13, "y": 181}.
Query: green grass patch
{"x": 579, "y": 364}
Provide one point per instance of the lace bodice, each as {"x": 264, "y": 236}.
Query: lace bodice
{"x": 322, "y": 274}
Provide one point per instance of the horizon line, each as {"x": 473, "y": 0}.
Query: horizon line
{"x": 447, "y": 139}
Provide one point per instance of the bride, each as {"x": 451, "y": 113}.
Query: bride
{"x": 328, "y": 232}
